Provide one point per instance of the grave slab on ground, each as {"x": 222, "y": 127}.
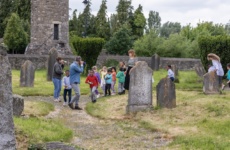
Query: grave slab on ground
{"x": 140, "y": 88}
{"x": 7, "y": 137}
{"x": 166, "y": 94}
{"x": 211, "y": 83}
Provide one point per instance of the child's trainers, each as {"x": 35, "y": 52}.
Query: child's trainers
{"x": 56, "y": 100}
{"x": 65, "y": 104}
{"x": 98, "y": 95}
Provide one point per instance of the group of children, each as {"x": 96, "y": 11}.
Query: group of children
{"x": 106, "y": 79}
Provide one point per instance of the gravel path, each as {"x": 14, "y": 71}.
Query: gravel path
{"x": 94, "y": 133}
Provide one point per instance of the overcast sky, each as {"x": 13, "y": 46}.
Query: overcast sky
{"x": 183, "y": 11}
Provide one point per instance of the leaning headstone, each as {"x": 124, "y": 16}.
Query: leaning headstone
{"x": 211, "y": 83}
{"x": 155, "y": 62}
{"x": 166, "y": 94}
{"x": 140, "y": 88}
{"x": 7, "y": 138}
{"x": 200, "y": 71}
{"x": 175, "y": 70}
{"x": 27, "y": 74}
{"x": 53, "y": 54}
{"x": 18, "y": 105}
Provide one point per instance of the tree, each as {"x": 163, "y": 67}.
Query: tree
{"x": 148, "y": 44}
{"x": 154, "y": 20}
{"x": 15, "y": 37}
{"x": 139, "y": 22}
{"x": 170, "y": 28}
{"x": 23, "y": 9}
{"x": 5, "y": 10}
{"x": 102, "y": 25}
{"x": 86, "y": 47}
{"x": 120, "y": 43}
{"x": 73, "y": 23}
{"x": 113, "y": 23}
{"x": 84, "y": 20}
{"x": 123, "y": 11}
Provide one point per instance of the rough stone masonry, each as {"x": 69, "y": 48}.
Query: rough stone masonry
{"x": 49, "y": 27}
{"x": 7, "y": 138}
{"x": 140, "y": 88}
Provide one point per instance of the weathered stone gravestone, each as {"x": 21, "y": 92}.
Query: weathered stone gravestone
{"x": 53, "y": 54}
{"x": 155, "y": 62}
{"x": 7, "y": 138}
{"x": 200, "y": 71}
{"x": 166, "y": 94}
{"x": 140, "y": 88}
{"x": 18, "y": 105}
{"x": 27, "y": 74}
{"x": 211, "y": 83}
{"x": 175, "y": 70}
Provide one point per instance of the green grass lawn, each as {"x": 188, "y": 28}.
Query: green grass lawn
{"x": 198, "y": 122}
{"x": 188, "y": 81}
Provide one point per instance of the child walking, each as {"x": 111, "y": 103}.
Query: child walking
{"x": 121, "y": 81}
{"x": 108, "y": 82}
{"x": 170, "y": 73}
{"x": 97, "y": 74}
{"x": 67, "y": 88}
{"x": 228, "y": 77}
{"x": 114, "y": 74}
{"x": 93, "y": 83}
{"x": 103, "y": 74}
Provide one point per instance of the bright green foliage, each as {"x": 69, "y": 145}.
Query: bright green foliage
{"x": 15, "y": 37}
{"x": 219, "y": 45}
{"x": 170, "y": 28}
{"x": 120, "y": 43}
{"x": 148, "y": 44}
{"x": 139, "y": 22}
{"x": 154, "y": 20}
{"x": 102, "y": 25}
{"x": 88, "y": 49}
{"x": 73, "y": 23}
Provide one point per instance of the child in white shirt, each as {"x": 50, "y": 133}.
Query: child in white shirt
{"x": 170, "y": 73}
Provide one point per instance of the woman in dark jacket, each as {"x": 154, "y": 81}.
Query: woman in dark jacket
{"x": 131, "y": 63}
{"x": 57, "y": 78}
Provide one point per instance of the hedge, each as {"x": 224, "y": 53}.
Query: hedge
{"x": 220, "y": 45}
{"x": 89, "y": 49}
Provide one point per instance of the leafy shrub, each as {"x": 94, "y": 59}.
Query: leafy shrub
{"x": 220, "y": 45}
{"x": 88, "y": 49}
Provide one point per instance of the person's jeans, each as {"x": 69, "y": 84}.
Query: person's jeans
{"x": 120, "y": 87}
{"x": 113, "y": 86}
{"x": 107, "y": 89}
{"x": 93, "y": 93}
{"x": 57, "y": 87}
{"x": 76, "y": 98}
{"x": 69, "y": 92}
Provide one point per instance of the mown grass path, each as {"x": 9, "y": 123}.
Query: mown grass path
{"x": 95, "y": 133}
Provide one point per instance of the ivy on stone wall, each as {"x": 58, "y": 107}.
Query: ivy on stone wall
{"x": 220, "y": 45}
{"x": 89, "y": 49}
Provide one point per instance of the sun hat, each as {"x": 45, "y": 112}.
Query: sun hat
{"x": 214, "y": 56}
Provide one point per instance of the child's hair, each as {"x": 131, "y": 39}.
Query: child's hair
{"x": 121, "y": 69}
{"x": 67, "y": 71}
{"x": 114, "y": 69}
{"x": 109, "y": 70}
{"x": 104, "y": 67}
{"x": 169, "y": 66}
{"x": 94, "y": 68}
{"x": 91, "y": 70}
{"x": 228, "y": 65}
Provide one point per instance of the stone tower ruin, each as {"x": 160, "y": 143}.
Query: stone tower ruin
{"x": 49, "y": 27}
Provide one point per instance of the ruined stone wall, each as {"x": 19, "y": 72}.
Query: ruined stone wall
{"x": 40, "y": 62}
{"x": 44, "y": 14}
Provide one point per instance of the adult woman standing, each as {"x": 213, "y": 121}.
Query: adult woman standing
{"x": 217, "y": 66}
{"x": 57, "y": 77}
{"x": 131, "y": 63}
